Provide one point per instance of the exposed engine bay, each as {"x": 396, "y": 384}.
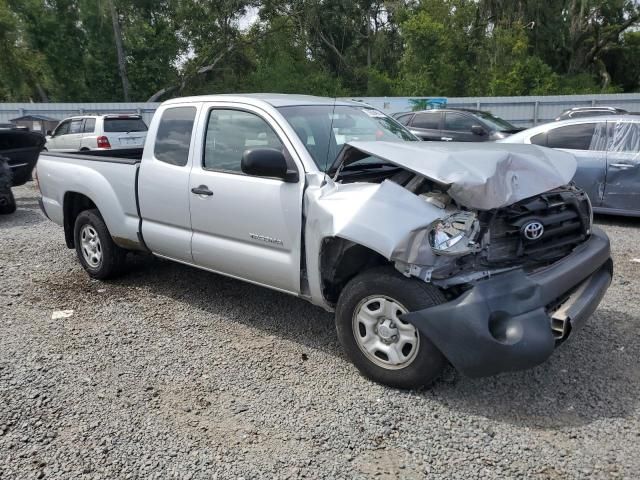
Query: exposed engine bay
{"x": 471, "y": 244}
{"x": 449, "y": 214}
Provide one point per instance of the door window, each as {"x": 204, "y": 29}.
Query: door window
{"x": 539, "y": 139}
{"x": 174, "y": 135}
{"x": 230, "y": 133}
{"x": 625, "y": 137}
{"x": 404, "y": 119}
{"x": 62, "y": 129}
{"x": 574, "y": 137}
{"x": 89, "y": 125}
{"x": 76, "y": 126}
{"x": 458, "y": 122}
{"x": 427, "y": 120}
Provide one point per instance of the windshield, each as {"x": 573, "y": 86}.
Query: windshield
{"x": 324, "y": 129}
{"x": 495, "y": 122}
{"x": 124, "y": 125}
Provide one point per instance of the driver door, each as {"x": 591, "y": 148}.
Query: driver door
{"x": 244, "y": 226}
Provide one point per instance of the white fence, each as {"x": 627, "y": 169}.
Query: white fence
{"x": 60, "y": 111}
{"x": 521, "y": 111}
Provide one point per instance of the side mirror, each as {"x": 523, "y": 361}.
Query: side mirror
{"x": 478, "y": 130}
{"x": 267, "y": 162}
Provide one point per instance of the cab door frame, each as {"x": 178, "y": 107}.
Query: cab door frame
{"x": 250, "y": 227}
{"x": 163, "y": 193}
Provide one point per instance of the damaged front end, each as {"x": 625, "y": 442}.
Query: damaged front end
{"x": 513, "y": 299}
{"x": 501, "y": 233}
{"x": 528, "y": 234}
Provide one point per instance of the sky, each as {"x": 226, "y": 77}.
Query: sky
{"x": 249, "y": 18}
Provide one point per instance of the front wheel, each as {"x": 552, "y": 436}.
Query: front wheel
{"x": 383, "y": 347}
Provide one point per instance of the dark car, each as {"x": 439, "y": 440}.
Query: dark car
{"x": 456, "y": 125}
{"x": 20, "y": 148}
{"x": 579, "y": 112}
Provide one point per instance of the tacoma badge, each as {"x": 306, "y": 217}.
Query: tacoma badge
{"x": 264, "y": 238}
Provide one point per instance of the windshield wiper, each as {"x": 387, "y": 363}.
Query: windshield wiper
{"x": 367, "y": 166}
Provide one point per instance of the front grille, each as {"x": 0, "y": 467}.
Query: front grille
{"x": 565, "y": 214}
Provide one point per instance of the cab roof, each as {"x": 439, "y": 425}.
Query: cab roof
{"x": 273, "y": 99}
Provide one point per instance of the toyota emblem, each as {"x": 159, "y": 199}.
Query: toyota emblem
{"x": 532, "y": 230}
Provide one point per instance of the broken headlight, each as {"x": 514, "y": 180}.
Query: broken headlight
{"x": 455, "y": 234}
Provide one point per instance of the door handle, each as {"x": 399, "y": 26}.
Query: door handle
{"x": 621, "y": 165}
{"x": 202, "y": 190}
{"x": 446, "y": 139}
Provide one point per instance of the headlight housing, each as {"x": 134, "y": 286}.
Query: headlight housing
{"x": 455, "y": 234}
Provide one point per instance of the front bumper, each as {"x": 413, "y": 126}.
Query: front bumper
{"x": 515, "y": 320}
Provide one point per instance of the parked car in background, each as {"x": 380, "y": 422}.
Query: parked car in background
{"x": 456, "y": 125}
{"x": 98, "y": 132}
{"x": 608, "y": 152}
{"x": 426, "y": 252}
{"x": 580, "y": 112}
{"x": 7, "y": 201}
{"x": 19, "y": 150}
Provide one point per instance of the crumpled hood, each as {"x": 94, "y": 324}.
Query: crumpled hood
{"x": 479, "y": 175}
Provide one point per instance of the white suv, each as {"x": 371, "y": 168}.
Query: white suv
{"x": 98, "y": 132}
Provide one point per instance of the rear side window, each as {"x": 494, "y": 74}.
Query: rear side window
{"x": 174, "y": 135}
{"x": 124, "y": 125}
{"x": 427, "y": 120}
{"x": 574, "y": 137}
{"x": 89, "y": 125}
{"x": 230, "y": 133}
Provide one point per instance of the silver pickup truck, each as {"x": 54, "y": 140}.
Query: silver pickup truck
{"x": 482, "y": 256}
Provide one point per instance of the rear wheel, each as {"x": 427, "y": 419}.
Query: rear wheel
{"x": 97, "y": 252}
{"x": 383, "y": 347}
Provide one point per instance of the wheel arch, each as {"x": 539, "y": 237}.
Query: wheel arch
{"x": 340, "y": 261}
{"x": 73, "y": 204}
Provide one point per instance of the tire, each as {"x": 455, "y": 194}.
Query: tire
{"x": 7, "y": 202}
{"x": 102, "y": 259}
{"x": 421, "y": 362}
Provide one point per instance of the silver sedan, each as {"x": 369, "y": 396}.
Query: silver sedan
{"x": 608, "y": 152}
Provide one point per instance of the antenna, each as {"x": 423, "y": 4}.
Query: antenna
{"x": 333, "y": 110}
{"x": 333, "y": 114}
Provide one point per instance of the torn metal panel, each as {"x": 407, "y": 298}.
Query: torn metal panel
{"x": 479, "y": 175}
{"x": 385, "y": 218}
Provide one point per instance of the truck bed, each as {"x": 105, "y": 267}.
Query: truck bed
{"x": 107, "y": 178}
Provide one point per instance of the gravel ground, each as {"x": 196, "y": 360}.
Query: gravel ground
{"x": 170, "y": 372}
